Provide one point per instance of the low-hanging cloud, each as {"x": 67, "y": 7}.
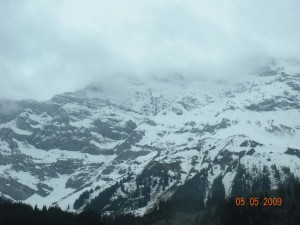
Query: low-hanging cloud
{"x": 48, "y": 47}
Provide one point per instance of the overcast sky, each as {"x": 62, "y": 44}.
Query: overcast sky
{"x": 49, "y": 47}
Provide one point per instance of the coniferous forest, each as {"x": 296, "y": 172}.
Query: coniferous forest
{"x": 217, "y": 210}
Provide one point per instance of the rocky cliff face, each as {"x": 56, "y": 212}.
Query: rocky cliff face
{"x": 134, "y": 150}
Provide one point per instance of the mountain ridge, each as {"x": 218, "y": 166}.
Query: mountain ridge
{"x": 140, "y": 148}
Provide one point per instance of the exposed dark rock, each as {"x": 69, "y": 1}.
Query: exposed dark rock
{"x": 67, "y": 166}
{"x": 127, "y": 154}
{"x": 134, "y": 138}
{"x": 212, "y": 128}
{"x": 108, "y": 170}
{"x": 250, "y": 143}
{"x": 272, "y": 105}
{"x": 268, "y": 72}
{"x": 14, "y": 189}
{"x": 250, "y": 152}
{"x": 177, "y": 111}
{"x": 293, "y": 151}
{"x": 189, "y": 103}
{"x": 77, "y": 181}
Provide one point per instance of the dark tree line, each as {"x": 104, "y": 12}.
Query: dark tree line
{"x": 81, "y": 200}
{"x": 226, "y": 212}
{"x": 12, "y": 213}
{"x": 20, "y": 213}
{"x": 189, "y": 198}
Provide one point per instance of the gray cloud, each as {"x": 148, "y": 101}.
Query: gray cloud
{"x": 48, "y": 47}
{"x": 8, "y": 107}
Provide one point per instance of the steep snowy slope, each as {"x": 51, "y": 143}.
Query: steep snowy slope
{"x": 142, "y": 146}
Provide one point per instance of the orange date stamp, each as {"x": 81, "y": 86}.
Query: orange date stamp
{"x": 267, "y": 201}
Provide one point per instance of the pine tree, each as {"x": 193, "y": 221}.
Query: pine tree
{"x": 240, "y": 185}
{"x": 217, "y": 191}
{"x": 266, "y": 183}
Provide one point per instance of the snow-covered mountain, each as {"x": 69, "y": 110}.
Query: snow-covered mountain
{"x": 141, "y": 146}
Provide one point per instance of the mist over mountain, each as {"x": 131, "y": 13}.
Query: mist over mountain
{"x": 146, "y": 111}
{"x": 54, "y": 47}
